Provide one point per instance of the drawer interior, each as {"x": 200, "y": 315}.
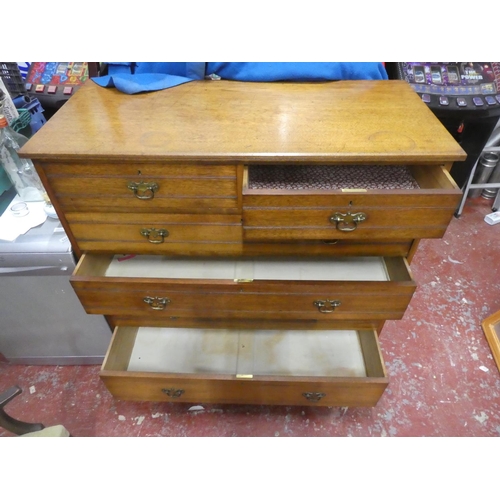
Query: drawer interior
{"x": 246, "y": 269}
{"x": 302, "y": 179}
{"x": 352, "y": 269}
{"x": 246, "y": 353}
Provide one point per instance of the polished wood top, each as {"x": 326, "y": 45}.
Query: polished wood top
{"x": 224, "y": 121}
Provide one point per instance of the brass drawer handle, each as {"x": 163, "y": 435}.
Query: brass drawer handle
{"x": 173, "y": 393}
{"x": 144, "y": 190}
{"x": 155, "y": 236}
{"x": 327, "y": 306}
{"x": 313, "y": 396}
{"x": 157, "y": 303}
{"x": 348, "y": 221}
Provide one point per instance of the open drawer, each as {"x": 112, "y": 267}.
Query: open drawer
{"x": 316, "y": 289}
{"x": 325, "y": 368}
{"x": 375, "y": 202}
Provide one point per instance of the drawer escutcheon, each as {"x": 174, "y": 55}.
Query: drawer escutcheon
{"x": 173, "y": 393}
{"x": 157, "y": 303}
{"x": 348, "y": 221}
{"x": 327, "y": 306}
{"x": 313, "y": 396}
{"x": 144, "y": 190}
{"x": 155, "y": 236}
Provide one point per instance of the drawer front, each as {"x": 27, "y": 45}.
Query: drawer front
{"x": 385, "y": 297}
{"x": 207, "y": 235}
{"x": 155, "y": 233}
{"x": 341, "y": 222}
{"x": 325, "y": 247}
{"x": 141, "y": 387}
{"x": 144, "y": 187}
{"x": 356, "y": 378}
{"x": 242, "y": 323}
{"x": 320, "y": 303}
{"x": 366, "y": 214}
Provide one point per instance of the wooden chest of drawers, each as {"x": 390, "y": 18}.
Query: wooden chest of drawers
{"x": 247, "y": 241}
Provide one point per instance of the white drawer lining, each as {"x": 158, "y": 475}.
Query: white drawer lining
{"x": 338, "y": 269}
{"x": 248, "y": 352}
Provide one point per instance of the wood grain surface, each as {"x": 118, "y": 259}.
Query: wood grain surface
{"x": 239, "y": 121}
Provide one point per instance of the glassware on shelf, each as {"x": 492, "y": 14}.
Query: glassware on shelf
{"x": 21, "y": 171}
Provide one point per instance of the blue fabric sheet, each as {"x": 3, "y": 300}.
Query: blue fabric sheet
{"x": 133, "y": 78}
{"x": 297, "y": 71}
{"x": 136, "y": 77}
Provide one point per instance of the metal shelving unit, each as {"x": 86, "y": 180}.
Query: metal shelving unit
{"x": 469, "y": 185}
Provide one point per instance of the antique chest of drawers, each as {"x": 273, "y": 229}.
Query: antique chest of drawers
{"x": 247, "y": 241}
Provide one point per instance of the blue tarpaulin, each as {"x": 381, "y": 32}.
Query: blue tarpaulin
{"x": 135, "y": 77}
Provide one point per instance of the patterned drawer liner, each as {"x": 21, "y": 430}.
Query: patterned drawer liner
{"x": 302, "y": 177}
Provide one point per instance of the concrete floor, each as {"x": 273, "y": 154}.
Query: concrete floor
{"x": 443, "y": 379}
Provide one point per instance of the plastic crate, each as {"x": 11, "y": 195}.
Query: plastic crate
{"x": 22, "y": 124}
{"x": 12, "y": 78}
{"x": 31, "y": 118}
{"x": 37, "y": 117}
